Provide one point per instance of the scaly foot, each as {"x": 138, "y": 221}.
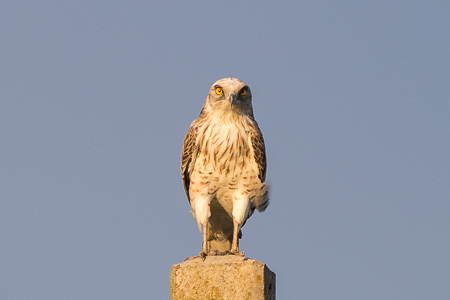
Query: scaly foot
{"x": 234, "y": 253}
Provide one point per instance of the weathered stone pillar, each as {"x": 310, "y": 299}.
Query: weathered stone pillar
{"x": 221, "y": 278}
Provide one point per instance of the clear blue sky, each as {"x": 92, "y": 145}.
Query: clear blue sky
{"x": 353, "y": 98}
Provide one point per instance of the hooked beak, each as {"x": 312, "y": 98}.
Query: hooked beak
{"x": 232, "y": 98}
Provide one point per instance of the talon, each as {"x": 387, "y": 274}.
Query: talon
{"x": 203, "y": 255}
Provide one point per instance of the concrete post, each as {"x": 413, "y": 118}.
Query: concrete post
{"x": 221, "y": 278}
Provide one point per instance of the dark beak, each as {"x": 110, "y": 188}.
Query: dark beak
{"x": 232, "y": 99}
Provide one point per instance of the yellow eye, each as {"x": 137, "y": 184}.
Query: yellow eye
{"x": 219, "y": 91}
{"x": 244, "y": 92}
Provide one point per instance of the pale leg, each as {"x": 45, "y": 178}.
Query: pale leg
{"x": 235, "y": 244}
{"x": 202, "y": 212}
{"x": 205, "y": 247}
{"x": 241, "y": 206}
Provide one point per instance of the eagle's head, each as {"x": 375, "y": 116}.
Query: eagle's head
{"x": 229, "y": 95}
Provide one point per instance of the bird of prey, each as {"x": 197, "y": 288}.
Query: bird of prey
{"x": 223, "y": 166}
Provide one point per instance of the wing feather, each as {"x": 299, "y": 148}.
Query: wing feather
{"x": 259, "y": 152}
{"x": 188, "y": 157}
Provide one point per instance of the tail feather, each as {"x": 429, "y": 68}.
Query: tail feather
{"x": 221, "y": 245}
{"x": 261, "y": 201}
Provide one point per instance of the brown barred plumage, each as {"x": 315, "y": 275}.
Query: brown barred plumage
{"x": 223, "y": 166}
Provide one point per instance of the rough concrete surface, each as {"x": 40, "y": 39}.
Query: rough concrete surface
{"x": 221, "y": 278}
